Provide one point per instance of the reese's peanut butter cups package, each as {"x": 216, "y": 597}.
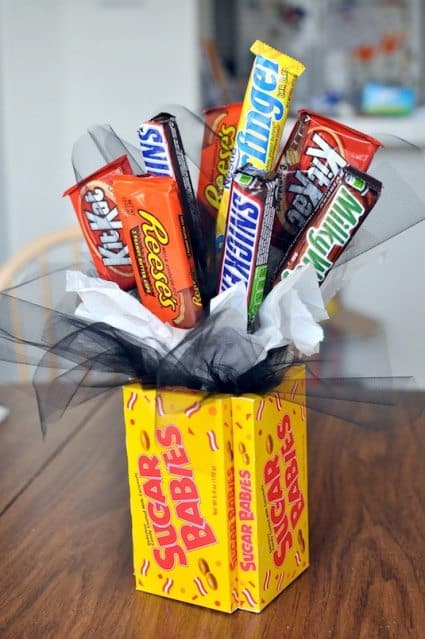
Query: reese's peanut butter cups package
{"x": 160, "y": 248}
{"x": 221, "y": 124}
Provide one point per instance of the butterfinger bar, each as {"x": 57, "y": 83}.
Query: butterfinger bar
{"x": 349, "y": 201}
{"x": 94, "y": 203}
{"x": 253, "y": 202}
{"x": 264, "y": 113}
{"x": 160, "y": 249}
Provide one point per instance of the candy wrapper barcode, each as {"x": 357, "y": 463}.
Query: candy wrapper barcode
{"x": 218, "y": 492}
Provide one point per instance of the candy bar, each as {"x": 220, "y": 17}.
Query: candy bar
{"x": 264, "y": 113}
{"x": 219, "y": 139}
{"x": 94, "y": 203}
{"x": 163, "y": 154}
{"x": 316, "y": 150}
{"x": 160, "y": 248}
{"x": 253, "y": 202}
{"x": 348, "y": 202}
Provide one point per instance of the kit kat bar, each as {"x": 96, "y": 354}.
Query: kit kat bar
{"x": 316, "y": 150}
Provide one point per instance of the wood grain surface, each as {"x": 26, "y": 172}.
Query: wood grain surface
{"x": 65, "y": 546}
{"x": 23, "y": 453}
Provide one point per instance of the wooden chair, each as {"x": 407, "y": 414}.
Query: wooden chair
{"x": 36, "y": 256}
{"x": 38, "y": 251}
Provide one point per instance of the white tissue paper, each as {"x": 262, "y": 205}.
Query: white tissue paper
{"x": 289, "y": 314}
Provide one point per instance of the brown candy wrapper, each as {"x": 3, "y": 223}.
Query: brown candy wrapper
{"x": 348, "y": 202}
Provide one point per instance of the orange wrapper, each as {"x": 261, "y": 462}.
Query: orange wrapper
{"x": 94, "y": 203}
{"x": 160, "y": 250}
{"x": 221, "y": 124}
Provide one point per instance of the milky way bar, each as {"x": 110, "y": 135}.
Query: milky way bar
{"x": 252, "y": 207}
{"x": 163, "y": 154}
{"x": 316, "y": 150}
{"x": 94, "y": 203}
{"x": 348, "y": 202}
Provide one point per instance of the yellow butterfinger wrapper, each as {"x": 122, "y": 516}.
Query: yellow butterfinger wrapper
{"x": 218, "y": 493}
{"x": 264, "y": 113}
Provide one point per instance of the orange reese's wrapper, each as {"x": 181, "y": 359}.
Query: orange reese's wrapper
{"x": 160, "y": 250}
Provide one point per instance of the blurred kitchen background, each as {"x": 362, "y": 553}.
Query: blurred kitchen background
{"x": 68, "y": 64}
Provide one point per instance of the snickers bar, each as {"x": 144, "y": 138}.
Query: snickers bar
{"x": 163, "y": 154}
{"x": 160, "y": 249}
{"x": 252, "y": 207}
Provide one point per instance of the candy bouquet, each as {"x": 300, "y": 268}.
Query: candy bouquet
{"x": 206, "y": 306}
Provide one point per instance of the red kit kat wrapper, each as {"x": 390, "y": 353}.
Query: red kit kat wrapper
{"x": 315, "y": 152}
{"x": 94, "y": 203}
{"x": 347, "y": 204}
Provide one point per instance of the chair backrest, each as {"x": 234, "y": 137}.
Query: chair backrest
{"x": 38, "y": 252}
{"x": 37, "y": 256}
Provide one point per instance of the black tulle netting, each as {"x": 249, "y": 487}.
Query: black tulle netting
{"x": 85, "y": 360}
{"x": 90, "y": 359}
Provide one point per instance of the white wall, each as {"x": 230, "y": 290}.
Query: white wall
{"x": 391, "y": 286}
{"x": 68, "y": 64}
{"x": 392, "y": 290}
{"x": 3, "y": 222}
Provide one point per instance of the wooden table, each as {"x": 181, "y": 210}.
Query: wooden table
{"x": 65, "y": 547}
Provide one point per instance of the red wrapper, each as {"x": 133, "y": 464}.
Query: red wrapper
{"x": 94, "y": 203}
{"x": 316, "y": 150}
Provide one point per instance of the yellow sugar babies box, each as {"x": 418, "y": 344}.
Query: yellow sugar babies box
{"x": 270, "y": 456}
{"x": 180, "y": 461}
{"x": 218, "y": 492}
